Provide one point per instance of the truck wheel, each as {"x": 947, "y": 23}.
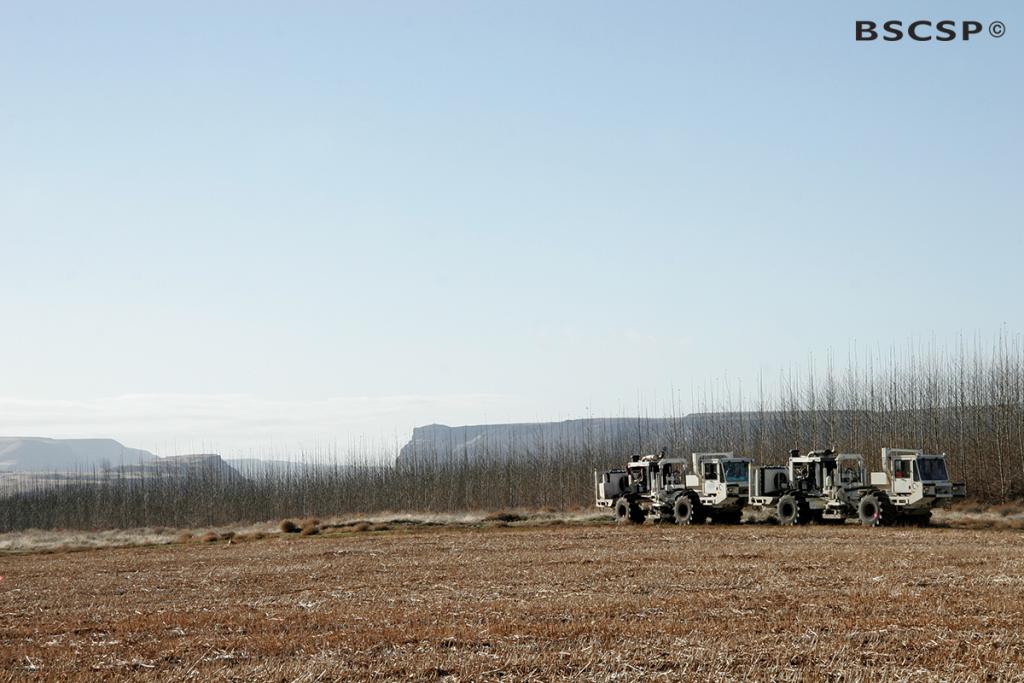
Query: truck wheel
{"x": 792, "y": 510}
{"x": 628, "y": 513}
{"x": 687, "y": 510}
{"x": 636, "y": 515}
{"x": 875, "y": 509}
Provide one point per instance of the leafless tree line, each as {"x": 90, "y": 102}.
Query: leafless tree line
{"x": 966, "y": 400}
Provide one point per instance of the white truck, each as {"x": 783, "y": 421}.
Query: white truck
{"x": 915, "y": 483}
{"x": 710, "y": 486}
{"x": 825, "y": 486}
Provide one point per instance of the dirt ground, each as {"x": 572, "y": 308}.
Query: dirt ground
{"x": 582, "y": 602}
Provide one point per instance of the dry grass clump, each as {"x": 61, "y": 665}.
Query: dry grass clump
{"x": 58, "y": 541}
{"x": 363, "y": 525}
{"x": 991, "y": 518}
{"x": 68, "y": 541}
{"x": 962, "y": 521}
{"x": 1014, "y": 507}
{"x": 968, "y": 506}
{"x": 412, "y": 521}
{"x": 505, "y": 516}
{"x": 287, "y": 526}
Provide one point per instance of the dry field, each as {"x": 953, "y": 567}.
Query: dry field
{"x": 569, "y": 601}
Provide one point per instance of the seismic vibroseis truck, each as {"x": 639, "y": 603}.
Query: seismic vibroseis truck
{"x": 825, "y": 486}
{"x": 665, "y": 489}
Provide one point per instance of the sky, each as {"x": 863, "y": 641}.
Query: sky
{"x": 257, "y": 228}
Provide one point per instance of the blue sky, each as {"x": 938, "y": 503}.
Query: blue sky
{"x": 252, "y": 227}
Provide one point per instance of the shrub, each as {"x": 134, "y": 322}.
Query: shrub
{"x": 504, "y": 517}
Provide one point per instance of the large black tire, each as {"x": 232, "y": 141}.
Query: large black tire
{"x": 793, "y": 510}
{"x": 875, "y": 509}
{"x": 688, "y": 510}
{"x": 628, "y": 513}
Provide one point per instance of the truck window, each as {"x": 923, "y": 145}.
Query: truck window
{"x": 735, "y": 472}
{"x": 851, "y": 474}
{"x": 902, "y": 469}
{"x": 710, "y": 470}
{"x": 932, "y": 469}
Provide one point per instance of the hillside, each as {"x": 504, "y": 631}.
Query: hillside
{"x": 625, "y": 435}
{"x": 39, "y": 454}
{"x": 764, "y": 433}
{"x": 199, "y": 465}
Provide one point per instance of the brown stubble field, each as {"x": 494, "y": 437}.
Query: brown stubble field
{"x": 581, "y": 602}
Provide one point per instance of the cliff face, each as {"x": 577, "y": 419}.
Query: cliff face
{"x": 496, "y": 441}
{"x": 626, "y": 436}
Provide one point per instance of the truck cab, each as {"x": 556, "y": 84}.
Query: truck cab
{"x": 916, "y": 480}
{"x": 820, "y": 472}
{"x": 721, "y": 476}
